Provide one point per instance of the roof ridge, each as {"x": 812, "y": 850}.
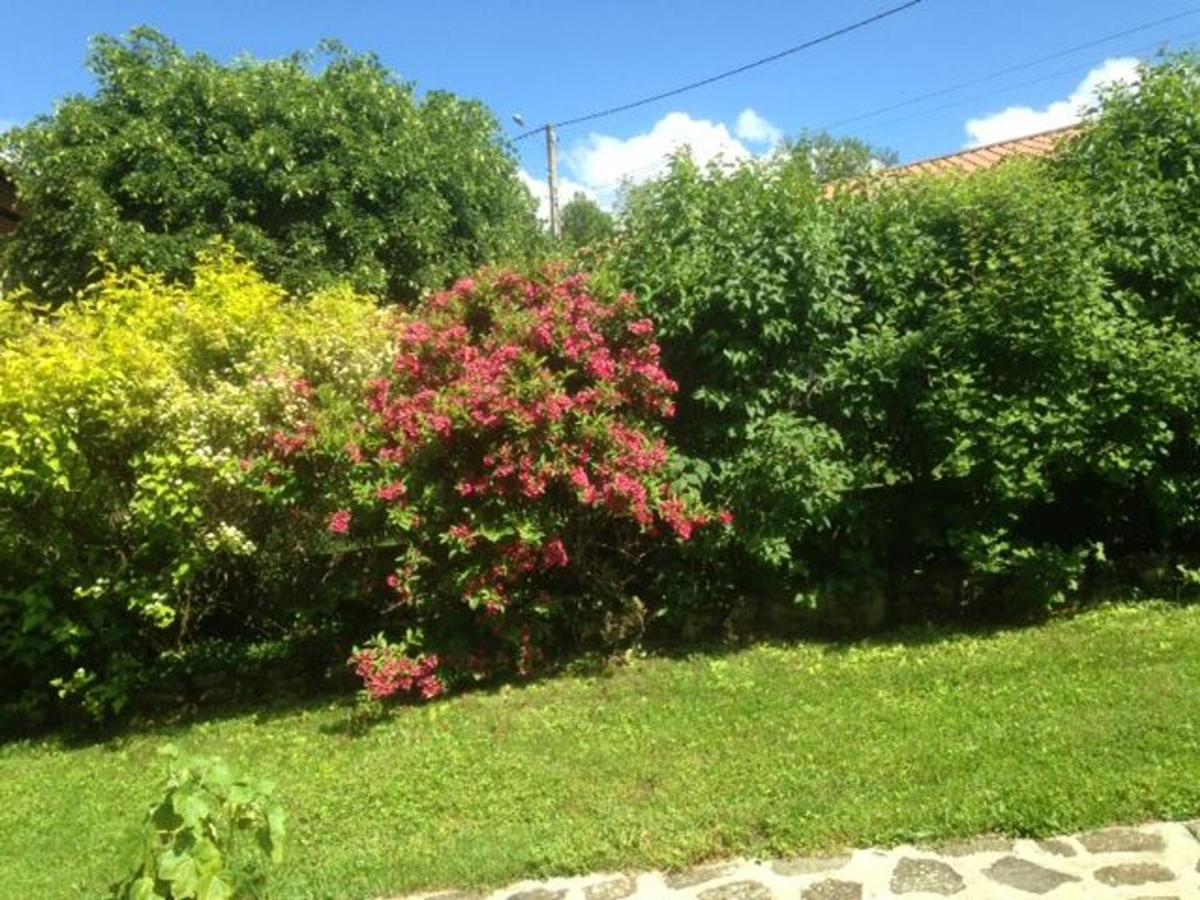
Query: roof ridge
{"x": 982, "y": 147}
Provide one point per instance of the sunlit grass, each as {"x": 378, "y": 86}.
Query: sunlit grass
{"x": 770, "y": 750}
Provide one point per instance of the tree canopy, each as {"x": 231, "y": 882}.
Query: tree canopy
{"x": 829, "y": 158}
{"x": 584, "y": 222}
{"x": 318, "y": 167}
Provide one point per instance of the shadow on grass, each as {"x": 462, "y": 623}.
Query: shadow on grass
{"x": 329, "y": 693}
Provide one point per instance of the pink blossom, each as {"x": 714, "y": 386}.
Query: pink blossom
{"x": 393, "y": 491}
{"x": 641, "y": 327}
{"x": 554, "y": 555}
{"x": 339, "y": 522}
{"x": 463, "y": 533}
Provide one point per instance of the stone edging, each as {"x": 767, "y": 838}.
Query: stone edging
{"x": 1158, "y": 861}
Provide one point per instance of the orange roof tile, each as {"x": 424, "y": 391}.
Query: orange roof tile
{"x": 974, "y": 159}
{"x": 985, "y": 157}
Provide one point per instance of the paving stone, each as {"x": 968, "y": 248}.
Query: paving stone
{"x": 1194, "y": 827}
{"x": 1133, "y": 873}
{"x": 931, "y": 875}
{"x": 613, "y": 889}
{"x": 1057, "y": 847}
{"x": 832, "y": 889}
{"x": 809, "y": 865}
{"x": 1122, "y": 840}
{"x": 456, "y": 895}
{"x": 1025, "y": 875}
{"x": 737, "y": 890}
{"x": 988, "y": 843}
{"x": 698, "y": 875}
{"x": 538, "y": 894}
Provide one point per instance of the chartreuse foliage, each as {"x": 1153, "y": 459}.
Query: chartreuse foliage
{"x": 987, "y": 385}
{"x": 129, "y": 524}
{"x": 318, "y": 170}
{"x": 202, "y": 840}
{"x": 767, "y": 752}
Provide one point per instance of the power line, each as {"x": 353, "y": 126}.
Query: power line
{"x": 847, "y": 29}
{"x": 610, "y": 186}
{"x": 1029, "y": 83}
{"x": 941, "y": 92}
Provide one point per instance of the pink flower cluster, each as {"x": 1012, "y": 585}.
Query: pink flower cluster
{"x": 512, "y": 402}
{"x": 385, "y": 673}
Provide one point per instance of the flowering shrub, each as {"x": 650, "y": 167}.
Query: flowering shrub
{"x": 509, "y": 456}
{"x": 389, "y": 669}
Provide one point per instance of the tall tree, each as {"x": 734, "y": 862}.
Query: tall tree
{"x": 831, "y": 158}
{"x": 318, "y": 167}
{"x": 584, "y": 222}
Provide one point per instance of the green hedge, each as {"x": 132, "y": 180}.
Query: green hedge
{"x": 320, "y": 168}
{"x": 919, "y": 399}
{"x": 940, "y": 394}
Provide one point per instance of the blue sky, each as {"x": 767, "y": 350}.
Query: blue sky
{"x": 554, "y": 61}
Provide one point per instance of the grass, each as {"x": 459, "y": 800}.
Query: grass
{"x": 771, "y": 750}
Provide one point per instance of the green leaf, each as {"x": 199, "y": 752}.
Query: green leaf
{"x": 181, "y": 871}
{"x": 215, "y": 887}
{"x": 190, "y": 806}
{"x": 207, "y": 856}
{"x": 143, "y": 889}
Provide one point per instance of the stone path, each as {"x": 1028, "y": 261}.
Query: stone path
{"x": 1150, "y": 862}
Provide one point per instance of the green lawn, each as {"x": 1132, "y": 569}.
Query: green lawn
{"x": 771, "y": 750}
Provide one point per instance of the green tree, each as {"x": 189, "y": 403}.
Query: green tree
{"x": 584, "y": 223}
{"x": 831, "y": 158}
{"x": 318, "y": 167}
{"x": 1137, "y": 161}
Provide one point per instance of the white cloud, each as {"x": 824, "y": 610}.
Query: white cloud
{"x": 598, "y": 164}
{"x": 601, "y": 161}
{"x": 1018, "y": 121}
{"x": 754, "y": 129}
{"x": 540, "y": 188}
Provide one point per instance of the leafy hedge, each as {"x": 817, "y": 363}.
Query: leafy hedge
{"x": 936, "y": 394}
{"x": 916, "y": 398}
{"x": 319, "y": 170}
{"x": 185, "y": 466}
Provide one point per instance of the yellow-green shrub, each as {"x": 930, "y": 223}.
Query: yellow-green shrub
{"x": 127, "y": 521}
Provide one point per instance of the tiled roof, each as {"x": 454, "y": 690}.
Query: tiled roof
{"x": 967, "y": 161}
{"x": 976, "y": 158}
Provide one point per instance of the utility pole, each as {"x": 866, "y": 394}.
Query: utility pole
{"x": 552, "y": 165}
{"x": 552, "y": 169}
